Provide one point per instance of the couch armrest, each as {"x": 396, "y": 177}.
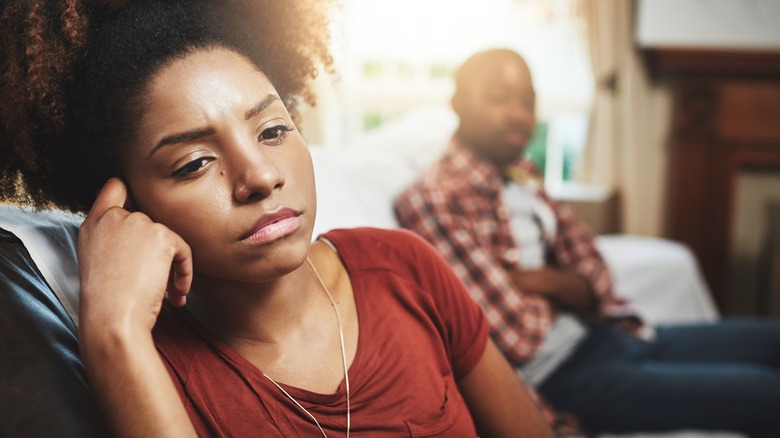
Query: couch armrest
{"x": 43, "y": 390}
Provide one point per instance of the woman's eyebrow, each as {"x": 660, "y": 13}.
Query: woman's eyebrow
{"x": 183, "y": 137}
{"x": 261, "y": 106}
{"x": 200, "y": 133}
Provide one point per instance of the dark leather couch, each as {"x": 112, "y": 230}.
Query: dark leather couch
{"x": 43, "y": 390}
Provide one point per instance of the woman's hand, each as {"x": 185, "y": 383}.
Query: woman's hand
{"x": 126, "y": 263}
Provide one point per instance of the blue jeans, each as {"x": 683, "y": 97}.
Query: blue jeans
{"x": 722, "y": 376}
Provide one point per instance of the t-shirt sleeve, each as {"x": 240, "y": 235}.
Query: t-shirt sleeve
{"x": 465, "y": 328}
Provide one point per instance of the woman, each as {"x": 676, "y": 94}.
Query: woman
{"x": 210, "y": 201}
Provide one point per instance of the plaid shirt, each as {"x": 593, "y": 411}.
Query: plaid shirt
{"x": 456, "y": 205}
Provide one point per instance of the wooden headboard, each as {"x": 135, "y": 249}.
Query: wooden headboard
{"x": 726, "y": 118}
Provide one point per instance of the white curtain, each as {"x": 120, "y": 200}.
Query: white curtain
{"x": 630, "y": 120}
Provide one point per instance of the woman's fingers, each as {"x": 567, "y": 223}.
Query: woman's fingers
{"x": 113, "y": 194}
{"x": 128, "y": 262}
{"x": 182, "y": 272}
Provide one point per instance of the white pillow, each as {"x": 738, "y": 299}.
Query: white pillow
{"x": 357, "y": 182}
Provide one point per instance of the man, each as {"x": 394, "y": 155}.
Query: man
{"x": 546, "y": 290}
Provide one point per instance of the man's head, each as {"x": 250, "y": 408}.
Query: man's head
{"x": 495, "y": 102}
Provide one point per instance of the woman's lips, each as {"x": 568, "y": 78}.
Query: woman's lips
{"x": 274, "y": 226}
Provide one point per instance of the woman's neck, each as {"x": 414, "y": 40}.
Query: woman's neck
{"x": 261, "y": 313}
{"x": 287, "y": 328}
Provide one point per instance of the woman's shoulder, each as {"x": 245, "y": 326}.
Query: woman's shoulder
{"x": 376, "y": 238}
{"x": 371, "y": 234}
{"x": 380, "y": 247}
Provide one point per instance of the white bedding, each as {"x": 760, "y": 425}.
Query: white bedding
{"x": 660, "y": 276}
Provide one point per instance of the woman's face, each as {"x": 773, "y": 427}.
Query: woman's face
{"x": 218, "y": 161}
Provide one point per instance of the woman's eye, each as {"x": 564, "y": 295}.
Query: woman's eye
{"x": 275, "y": 134}
{"x": 192, "y": 167}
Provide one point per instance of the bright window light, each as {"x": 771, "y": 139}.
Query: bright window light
{"x": 395, "y": 57}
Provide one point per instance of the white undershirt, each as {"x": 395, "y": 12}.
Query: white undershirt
{"x": 533, "y": 225}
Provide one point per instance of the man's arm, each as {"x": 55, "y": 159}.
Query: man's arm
{"x": 575, "y": 252}
{"x": 564, "y": 289}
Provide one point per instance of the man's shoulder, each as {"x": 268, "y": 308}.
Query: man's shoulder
{"x": 439, "y": 179}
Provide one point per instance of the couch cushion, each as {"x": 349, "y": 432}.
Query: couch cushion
{"x": 43, "y": 390}
{"x": 50, "y": 238}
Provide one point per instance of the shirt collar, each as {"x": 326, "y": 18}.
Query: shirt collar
{"x": 480, "y": 172}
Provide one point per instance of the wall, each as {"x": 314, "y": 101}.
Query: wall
{"x": 723, "y": 58}
{"x": 722, "y": 24}
{"x": 756, "y": 190}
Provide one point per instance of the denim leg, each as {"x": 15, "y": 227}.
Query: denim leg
{"x": 715, "y": 377}
{"x": 754, "y": 341}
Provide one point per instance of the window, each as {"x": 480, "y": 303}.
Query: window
{"x": 395, "y": 61}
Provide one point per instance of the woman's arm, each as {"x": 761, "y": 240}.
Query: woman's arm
{"x": 498, "y": 400}
{"x": 125, "y": 261}
{"x": 132, "y": 385}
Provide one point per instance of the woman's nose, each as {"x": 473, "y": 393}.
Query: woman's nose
{"x": 255, "y": 175}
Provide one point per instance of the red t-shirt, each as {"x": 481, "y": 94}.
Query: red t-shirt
{"x": 420, "y": 332}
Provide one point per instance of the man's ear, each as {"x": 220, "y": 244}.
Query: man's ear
{"x": 455, "y": 103}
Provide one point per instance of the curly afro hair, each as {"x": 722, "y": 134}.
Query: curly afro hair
{"x": 74, "y": 72}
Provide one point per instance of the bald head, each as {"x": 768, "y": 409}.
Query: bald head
{"x": 495, "y": 102}
{"x": 481, "y": 65}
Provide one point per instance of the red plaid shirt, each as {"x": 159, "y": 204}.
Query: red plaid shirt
{"x": 456, "y": 205}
